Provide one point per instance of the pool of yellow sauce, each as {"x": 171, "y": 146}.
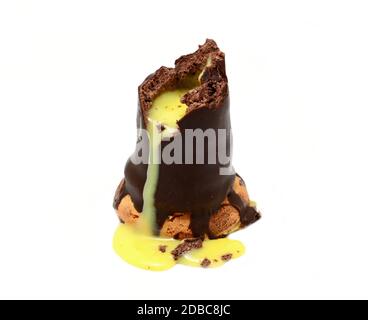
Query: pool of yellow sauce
{"x": 143, "y": 251}
{"x": 136, "y": 244}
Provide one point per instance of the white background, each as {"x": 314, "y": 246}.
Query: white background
{"x": 298, "y": 73}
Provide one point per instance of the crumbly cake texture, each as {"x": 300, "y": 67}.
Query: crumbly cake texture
{"x": 224, "y": 221}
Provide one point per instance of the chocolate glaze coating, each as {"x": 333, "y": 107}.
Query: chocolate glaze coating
{"x": 195, "y": 188}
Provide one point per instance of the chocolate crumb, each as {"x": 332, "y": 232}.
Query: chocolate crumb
{"x": 226, "y": 257}
{"x": 186, "y": 246}
{"x": 162, "y": 248}
{"x": 205, "y": 263}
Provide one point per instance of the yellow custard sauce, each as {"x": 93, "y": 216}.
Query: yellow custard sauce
{"x": 143, "y": 251}
{"x": 135, "y": 243}
{"x": 167, "y": 108}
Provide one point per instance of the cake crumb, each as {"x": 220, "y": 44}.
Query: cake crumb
{"x": 226, "y": 257}
{"x": 205, "y": 263}
{"x": 162, "y": 248}
{"x": 186, "y": 246}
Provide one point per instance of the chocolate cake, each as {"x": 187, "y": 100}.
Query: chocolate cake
{"x": 191, "y": 200}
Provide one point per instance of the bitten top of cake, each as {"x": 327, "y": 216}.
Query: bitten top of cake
{"x": 206, "y": 65}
